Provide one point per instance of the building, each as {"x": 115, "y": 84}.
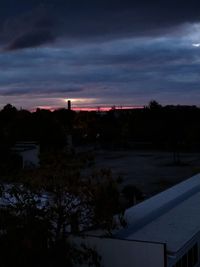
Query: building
{"x": 29, "y": 153}
{"x": 163, "y": 231}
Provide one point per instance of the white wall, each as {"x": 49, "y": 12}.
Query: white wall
{"x": 123, "y": 253}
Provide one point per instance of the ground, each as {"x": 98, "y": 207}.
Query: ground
{"x": 150, "y": 171}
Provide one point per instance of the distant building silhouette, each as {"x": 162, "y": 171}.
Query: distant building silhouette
{"x": 69, "y": 104}
{"x": 29, "y": 152}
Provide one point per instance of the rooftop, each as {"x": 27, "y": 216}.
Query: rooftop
{"x": 24, "y": 146}
{"x": 171, "y": 217}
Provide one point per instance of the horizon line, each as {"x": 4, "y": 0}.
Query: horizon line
{"x": 88, "y": 108}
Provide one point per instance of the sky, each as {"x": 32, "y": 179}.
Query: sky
{"x": 99, "y": 52}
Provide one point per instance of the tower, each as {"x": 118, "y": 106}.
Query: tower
{"x": 69, "y": 104}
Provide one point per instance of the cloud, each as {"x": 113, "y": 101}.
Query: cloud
{"x": 32, "y": 27}
{"x": 116, "y": 72}
{"x": 34, "y": 89}
{"x": 31, "y": 39}
{"x": 114, "y": 51}
{"x": 90, "y": 20}
{"x": 83, "y": 21}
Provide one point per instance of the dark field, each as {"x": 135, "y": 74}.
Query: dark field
{"x": 150, "y": 171}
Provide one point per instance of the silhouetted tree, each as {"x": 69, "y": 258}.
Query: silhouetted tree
{"x": 132, "y": 194}
{"x": 42, "y": 208}
{"x": 154, "y": 105}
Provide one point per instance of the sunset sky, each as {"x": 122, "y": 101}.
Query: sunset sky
{"x": 99, "y": 52}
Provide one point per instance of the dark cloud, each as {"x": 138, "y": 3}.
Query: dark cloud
{"x": 108, "y": 19}
{"x": 32, "y": 27}
{"x": 17, "y": 91}
{"x": 31, "y": 39}
{"x": 119, "y": 68}
{"x": 82, "y": 20}
{"x": 45, "y": 23}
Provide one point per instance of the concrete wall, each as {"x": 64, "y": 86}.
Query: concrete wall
{"x": 123, "y": 253}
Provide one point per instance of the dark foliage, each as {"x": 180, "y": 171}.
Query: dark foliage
{"x": 40, "y": 209}
{"x": 170, "y": 127}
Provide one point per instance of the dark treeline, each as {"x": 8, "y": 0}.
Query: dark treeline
{"x": 43, "y": 126}
{"x": 153, "y": 127}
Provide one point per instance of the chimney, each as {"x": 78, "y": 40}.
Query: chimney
{"x": 69, "y": 105}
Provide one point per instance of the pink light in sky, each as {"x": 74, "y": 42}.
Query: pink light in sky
{"x": 100, "y": 109}
{"x": 104, "y": 108}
